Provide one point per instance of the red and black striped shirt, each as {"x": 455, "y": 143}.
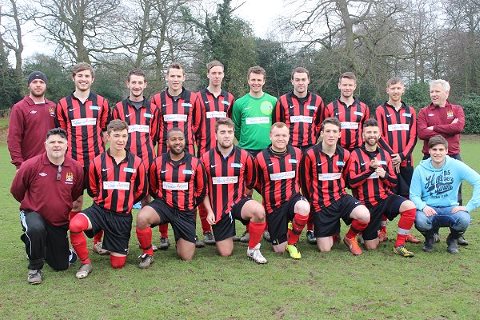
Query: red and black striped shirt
{"x": 303, "y": 116}
{"x": 117, "y": 187}
{"x": 142, "y": 127}
{"x": 211, "y": 108}
{"x": 180, "y": 184}
{"x": 84, "y": 123}
{"x": 366, "y": 185}
{"x": 228, "y": 178}
{"x": 322, "y": 177}
{"x": 352, "y": 118}
{"x": 181, "y": 111}
{"x": 277, "y": 176}
{"x": 398, "y": 130}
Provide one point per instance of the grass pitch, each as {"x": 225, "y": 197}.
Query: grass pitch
{"x": 337, "y": 285}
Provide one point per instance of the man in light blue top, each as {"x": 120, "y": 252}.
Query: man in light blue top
{"x": 434, "y": 190}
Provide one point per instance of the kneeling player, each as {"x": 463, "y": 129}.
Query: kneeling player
{"x": 278, "y": 183}
{"x": 177, "y": 186}
{"x": 231, "y": 176}
{"x": 322, "y": 176}
{"x": 371, "y": 177}
{"x": 116, "y": 181}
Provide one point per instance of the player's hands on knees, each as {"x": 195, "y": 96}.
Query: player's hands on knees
{"x": 459, "y": 208}
{"x": 429, "y": 211}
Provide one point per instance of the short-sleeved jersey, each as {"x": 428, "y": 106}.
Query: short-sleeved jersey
{"x": 117, "y": 187}
{"x": 351, "y": 118}
{"x": 253, "y": 120}
{"x": 180, "y": 184}
{"x": 303, "y": 117}
{"x": 211, "y": 108}
{"x": 322, "y": 177}
{"x": 142, "y": 127}
{"x": 48, "y": 189}
{"x": 182, "y": 112}
{"x": 84, "y": 123}
{"x": 277, "y": 176}
{"x": 366, "y": 185}
{"x": 228, "y": 178}
{"x": 398, "y": 130}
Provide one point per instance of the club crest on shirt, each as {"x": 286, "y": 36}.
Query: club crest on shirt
{"x": 69, "y": 177}
{"x": 51, "y": 110}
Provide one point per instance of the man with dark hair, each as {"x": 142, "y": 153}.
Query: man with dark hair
{"x": 84, "y": 115}
{"x": 214, "y": 103}
{"x": 279, "y": 185}
{"x": 322, "y": 176}
{"x": 398, "y": 129}
{"x": 30, "y": 120}
{"x": 177, "y": 184}
{"x": 230, "y": 176}
{"x": 177, "y": 107}
{"x": 116, "y": 181}
{"x": 434, "y": 191}
{"x": 371, "y": 177}
{"x": 46, "y": 186}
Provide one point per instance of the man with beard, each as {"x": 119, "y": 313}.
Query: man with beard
{"x": 371, "y": 177}
{"x": 117, "y": 179}
{"x": 84, "y": 115}
{"x": 177, "y": 184}
{"x": 322, "y": 176}
{"x": 230, "y": 176}
{"x": 398, "y": 129}
{"x": 278, "y": 184}
{"x": 30, "y": 120}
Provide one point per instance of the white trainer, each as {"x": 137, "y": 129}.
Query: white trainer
{"x": 256, "y": 255}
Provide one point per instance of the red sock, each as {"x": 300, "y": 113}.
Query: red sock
{"x": 256, "y": 231}
{"x": 407, "y": 218}
{"x": 202, "y": 213}
{"x": 98, "y": 237}
{"x": 163, "y": 228}
{"x": 383, "y": 224}
{"x": 117, "y": 262}
{"x": 78, "y": 224}
{"x": 356, "y": 227}
{"x": 144, "y": 237}
{"x": 298, "y": 223}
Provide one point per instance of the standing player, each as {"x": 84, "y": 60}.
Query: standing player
{"x": 30, "y": 120}
{"x": 46, "y": 186}
{"x": 371, "y": 177}
{"x": 178, "y": 108}
{"x": 117, "y": 179}
{"x": 141, "y": 118}
{"x": 322, "y": 177}
{"x": 252, "y": 114}
{"x": 177, "y": 184}
{"x": 351, "y": 112}
{"x": 278, "y": 183}
{"x": 231, "y": 176}
{"x": 84, "y": 115}
{"x": 398, "y": 129}
{"x": 446, "y": 119}
{"x": 214, "y": 103}
{"x": 301, "y": 110}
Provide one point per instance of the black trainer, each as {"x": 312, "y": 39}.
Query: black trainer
{"x": 452, "y": 243}
{"x": 429, "y": 241}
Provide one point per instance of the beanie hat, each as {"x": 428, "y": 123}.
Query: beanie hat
{"x": 37, "y": 75}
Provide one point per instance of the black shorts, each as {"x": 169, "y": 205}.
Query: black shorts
{"x": 327, "y": 221}
{"x": 404, "y": 179}
{"x": 225, "y": 228}
{"x": 277, "y": 221}
{"x": 116, "y": 228}
{"x": 183, "y": 222}
{"x": 390, "y": 207}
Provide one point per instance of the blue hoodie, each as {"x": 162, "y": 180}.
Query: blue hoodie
{"x": 438, "y": 187}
